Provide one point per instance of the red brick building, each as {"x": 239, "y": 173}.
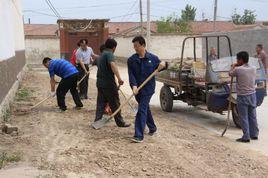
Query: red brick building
{"x": 71, "y": 31}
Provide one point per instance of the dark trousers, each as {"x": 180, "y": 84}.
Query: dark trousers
{"x": 111, "y": 97}
{"x": 65, "y": 85}
{"x": 83, "y": 86}
{"x": 144, "y": 116}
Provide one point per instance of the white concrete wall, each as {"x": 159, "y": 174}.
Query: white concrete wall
{"x": 244, "y": 40}
{"x": 164, "y": 46}
{"x": 11, "y": 28}
{"x": 37, "y": 49}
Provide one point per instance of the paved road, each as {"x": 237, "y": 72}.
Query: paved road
{"x": 211, "y": 121}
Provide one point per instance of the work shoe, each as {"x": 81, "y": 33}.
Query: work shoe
{"x": 77, "y": 107}
{"x": 242, "y": 140}
{"x": 151, "y": 133}
{"x": 254, "y": 138}
{"x": 123, "y": 124}
{"x": 58, "y": 110}
{"x": 137, "y": 140}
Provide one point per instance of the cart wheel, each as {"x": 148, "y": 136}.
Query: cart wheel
{"x": 166, "y": 99}
{"x": 235, "y": 116}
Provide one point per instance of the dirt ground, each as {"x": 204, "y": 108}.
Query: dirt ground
{"x": 64, "y": 145}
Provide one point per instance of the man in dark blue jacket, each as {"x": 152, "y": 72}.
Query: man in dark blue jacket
{"x": 140, "y": 66}
{"x": 69, "y": 77}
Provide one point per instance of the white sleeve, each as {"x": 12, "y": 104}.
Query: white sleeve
{"x": 78, "y": 55}
{"x": 91, "y": 51}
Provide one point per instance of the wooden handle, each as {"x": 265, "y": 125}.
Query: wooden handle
{"x": 40, "y": 102}
{"x": 81, "y": 79}
{"x": 139, "y": 88}
{"x": 90, "y": 68}
{"x": 230, "y": 97}
{"x": 229, "y": 107}
{"x": 126, "y": 99}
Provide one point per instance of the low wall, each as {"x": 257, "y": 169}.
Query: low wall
{"x": 165, "y": 46}
{"x": 245, "y": 40}
{"x": 38, "y": 48}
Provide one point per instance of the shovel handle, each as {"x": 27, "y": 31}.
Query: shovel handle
{"x": 229, "y": 107}
{"x": 40, "y": 102}
{"x": 139, "y": 88}
{"x": 126, "y": 99}
{"x": 78, "y": 83}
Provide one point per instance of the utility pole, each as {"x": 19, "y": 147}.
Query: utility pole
{"x": 148, "y": 26}
{"x": 141, "y": 20}
{"x": 215, "y": 15}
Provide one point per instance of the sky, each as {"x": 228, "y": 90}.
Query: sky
{"x": 128, "y": 10}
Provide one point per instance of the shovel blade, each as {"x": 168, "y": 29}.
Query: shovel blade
{"x": 100, "y": 123}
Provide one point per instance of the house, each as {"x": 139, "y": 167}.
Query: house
{"x": 12, "y": 53}
{"x": 41, "y": 40}
{"x": 119, "y": 27}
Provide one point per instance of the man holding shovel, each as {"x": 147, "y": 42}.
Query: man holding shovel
{"x": 69, "y": 75}
{"x": 83, "y": 56}
{"x": 140, "y": 66}
{"x": 106, "y": 84}
{"x": 246, "y": 96}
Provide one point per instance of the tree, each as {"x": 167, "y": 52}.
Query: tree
{"x": 249, "y": 17}
{"x": 174, "y": 23}
{"x": 171, "y": 24}
{"x": 188, "y": 14}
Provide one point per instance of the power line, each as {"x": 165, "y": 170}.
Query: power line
{"x": 53, "y": 8}
{"x": 131, "y": 8}
{"x": 41, "y": 13}
{"x": 86, "y": 7}
{"x": 123, "y": 15}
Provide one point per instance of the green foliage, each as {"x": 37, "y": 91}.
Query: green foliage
{"x": 4, "y": 159}
{"x": 23, "y": 94}
{"x": 249, "y": 17}
{"x": 174, "y": 23}
{"x": 6, "y": 115}
{"x": 189, "y": 13}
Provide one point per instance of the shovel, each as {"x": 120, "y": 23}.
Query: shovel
{"x": 26, "y": 111}
{"x": 101, "y": 123}
{"x": 229, "y": 108}
{"x": 78, "y": 83}
{"x": 133, "y": 109}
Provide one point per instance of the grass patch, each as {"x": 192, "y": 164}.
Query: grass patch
{"x": 5, "y": 159}
{"x": 23, "y": 94}
{"x": 6, "y": 115}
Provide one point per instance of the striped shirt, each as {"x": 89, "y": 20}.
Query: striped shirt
{"x": 61, "y": 68}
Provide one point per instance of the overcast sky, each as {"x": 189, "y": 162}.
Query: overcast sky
{"x": 128, "y": 10}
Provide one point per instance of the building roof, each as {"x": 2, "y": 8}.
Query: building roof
{"x": 118, "y": 27}
{"x": 41, "y": 29}
{"x": 199, "y": 27}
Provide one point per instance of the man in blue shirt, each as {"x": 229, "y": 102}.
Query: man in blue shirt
{"x": 69, "y": 75}
{"x": 140, "y": 66}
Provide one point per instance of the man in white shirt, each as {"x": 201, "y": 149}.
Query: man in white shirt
{"x": 83, "y": 60}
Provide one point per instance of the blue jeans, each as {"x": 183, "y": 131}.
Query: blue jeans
{"x": 246, "y": 106}
{"x": 144, "y": 116}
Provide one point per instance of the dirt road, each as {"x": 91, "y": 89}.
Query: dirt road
{"x": 63, "y": 144}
